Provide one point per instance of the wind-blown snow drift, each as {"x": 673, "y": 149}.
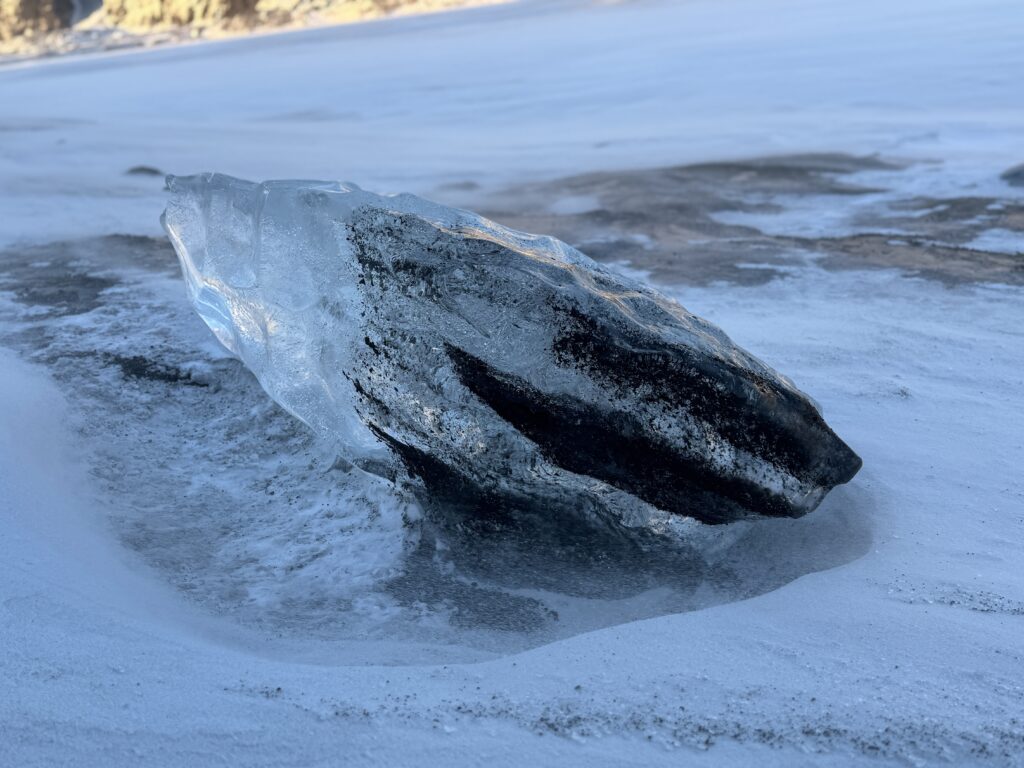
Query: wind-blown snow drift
{"x": 509, "y": 373}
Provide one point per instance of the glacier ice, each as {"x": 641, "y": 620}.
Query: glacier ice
{"x": 499, "y": 374}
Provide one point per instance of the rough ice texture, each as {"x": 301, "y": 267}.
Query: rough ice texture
{"x": 508, "y": 374}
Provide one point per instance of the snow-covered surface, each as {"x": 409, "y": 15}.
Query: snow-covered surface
{"x": 901, "y": 642}
{"x": 530, "y": 89}
{"x": 912, "y": 651}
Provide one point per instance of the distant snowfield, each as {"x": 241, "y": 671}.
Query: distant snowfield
{"x": 534, "y": 89}
{"x": 907, "y": 649}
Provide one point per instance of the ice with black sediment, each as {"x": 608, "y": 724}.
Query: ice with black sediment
{"x": 504, "y": 376}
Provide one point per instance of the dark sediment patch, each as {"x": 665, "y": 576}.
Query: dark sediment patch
{"x": 143, "y": 170}
{"x": 70, "y": 277}
{"x": 92, "y": 254}
{"x": 64, "y": 291}
{"x": 140, "y": 367}
{"x": 673, "y": 222}
{"x": 663, "y": 219}
{"x": 952, "y": 221}
{"x": 952, "y": 265}
{"x": 1014, "y": 176}
{"x": 802, "y": 174}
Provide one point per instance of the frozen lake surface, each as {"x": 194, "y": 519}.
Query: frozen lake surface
{"x": 182, "y": 576}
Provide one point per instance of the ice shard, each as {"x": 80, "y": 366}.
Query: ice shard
{"x": 501, "y": 373}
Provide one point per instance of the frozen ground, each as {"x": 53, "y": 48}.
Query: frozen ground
{"x": 184, "y": 578}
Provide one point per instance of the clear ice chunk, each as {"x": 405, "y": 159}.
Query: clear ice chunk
{"x": 499, "y": 373}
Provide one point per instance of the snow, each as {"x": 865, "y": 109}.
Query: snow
{"x": 898, "y": 642}
{"x": 908, "y": 648}
{"x": 532, "y": 89}
{"x": 998, "y": 240}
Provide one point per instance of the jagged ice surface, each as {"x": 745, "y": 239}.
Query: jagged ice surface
{"x": 509, "y": 374}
